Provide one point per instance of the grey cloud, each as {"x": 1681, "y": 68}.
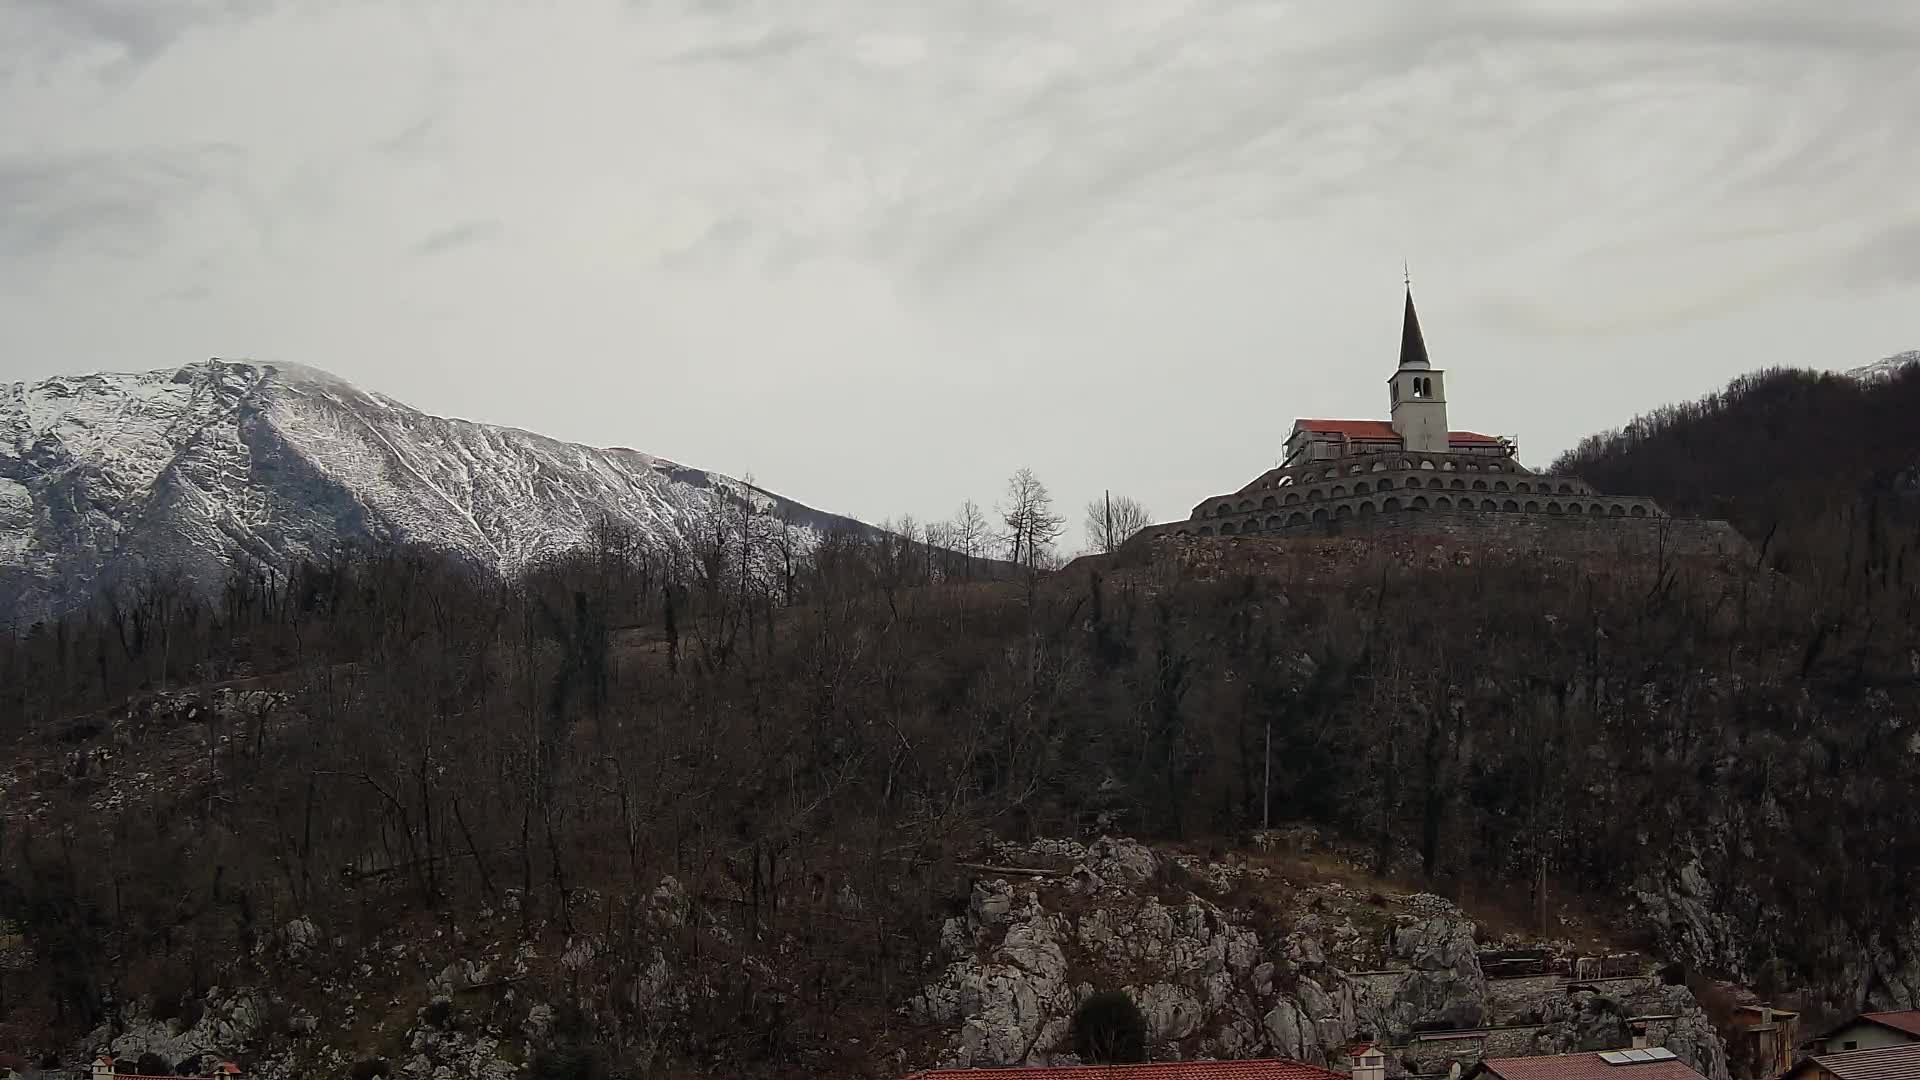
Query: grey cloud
{"x": 142, "y": 29}
{"x": 769, "y": 44}
{"x": 454, "y": 237}
{"x": 410, "y": 140}
{"x": 1890, "y": 257}
{"x": 113, "y": 202}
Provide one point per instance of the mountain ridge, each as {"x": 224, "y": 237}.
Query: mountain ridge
{"x": 108, "y": 475}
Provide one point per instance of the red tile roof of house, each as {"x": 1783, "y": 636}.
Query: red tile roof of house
{"x": 1907, "y": 1020}
{"x": 1585, "y": 1066}
{"x": 1900, "y": 1062}
{"x": 1264, "y": 1069}
{"x": 1471, "y": 437}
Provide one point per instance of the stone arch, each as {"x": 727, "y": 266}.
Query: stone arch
{"x": 1290, "y": 498}
{"x": 1493, "y": 468}
{"x": 1406, "y": 463}
{"x": 1227, "y": 528}
{"x": 1639, "y": 511}
{"x": 1283, "y": 481}
{"x": 1296, "y": 518}
{"x": 1521, "y": 486}
{"x": 1343, "y": 511}
{"x": 1246, "y": 504}
{"x": 1360, "y": 488}
{"x": 1394, "y": 504}
{"x": 1499, "y": 485}
{"x": 1510, "y": 506}
{"x": 1339, "y": 491}
{"x": 1489, "y": 504}
{"x": 1366, "y": 508}
{"x": 1471, "y": 467}
{"x": 1268, "y": 503}
{"x": 1566, "y": 489}
{"x": 1479, "y": 485}
{"x": 1616, "y": 510}
{"x": 1448, "y": 466}
{"x": 1554, "y": 508}
{"x": 1355, "y": 469}
{"x": 1315, "y": 494}
{"x": 1458, "y": 484}
{"x": 1223, "y": 509}
{"x": 1426, "y": 464}
{"x": 1320, "y": 514}
{"x": 1596, "y": 510}
{"x": 1378, "y": 466}
{"x": 1385, "y": 484}
{"x": 1273, "y": 522}
{"x": 1206, "y": 530}
{"x": 1330, "y": 474}
{"x": 1441, "y": 503}
{"x": 1532, "y": 507}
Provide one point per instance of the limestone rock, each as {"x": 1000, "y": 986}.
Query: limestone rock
{"x": 1289, "y": 1031}
{"x": 668, "y": 905}
{"x": 1171, "y": 1012}
{"x": 1013, "y": 1005}
{"x": 1445, "y": 986}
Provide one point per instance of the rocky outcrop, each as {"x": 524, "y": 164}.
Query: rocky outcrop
{"x": 1444, "y": 986}
{"x": 227, "y": 1025}
{"x": 1211, "y": 982}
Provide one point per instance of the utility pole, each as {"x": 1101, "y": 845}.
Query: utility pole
{"x": 1266, "y": 778}
{"x": 1106, "y": 539}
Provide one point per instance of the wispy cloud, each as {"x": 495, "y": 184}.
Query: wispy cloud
{"x": 454, "y": 237}
{"x": 111, "y": 203}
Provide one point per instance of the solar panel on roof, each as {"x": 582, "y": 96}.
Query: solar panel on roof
{"x": 1660, "y": 1053}
{"x": 1614, "y": 1057}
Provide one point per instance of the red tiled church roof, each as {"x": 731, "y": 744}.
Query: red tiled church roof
{"x": 1265, "y": 1069}
{"x": 1352, "y": 429}
{"x": 1383, "y": 430}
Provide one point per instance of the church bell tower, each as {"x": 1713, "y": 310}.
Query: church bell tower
{"x": 1419, "y": 391}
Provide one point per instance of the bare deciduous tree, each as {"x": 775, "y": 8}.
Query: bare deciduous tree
{"x": 1112, "y": 520}
{"x": 1032, "y": 526}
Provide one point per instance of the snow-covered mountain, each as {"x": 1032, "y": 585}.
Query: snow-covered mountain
{"x": 1880, "y": 369}
{"x": 109, "y": 475}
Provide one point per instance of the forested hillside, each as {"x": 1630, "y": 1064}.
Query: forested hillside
{"x": 1791, "y": 455}
{"x": 255, "y": 793}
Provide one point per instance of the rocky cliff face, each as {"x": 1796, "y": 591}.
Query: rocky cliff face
{"x": 106, "y": 477}
{"x": 1213, "y": 981}
{"x": 1216, "y": 970}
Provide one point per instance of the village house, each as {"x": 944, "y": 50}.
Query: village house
{"x": 103, "y": 1069}
{"x": 1899, "y": 1061}
{"x": 1870, "y": 1031}
{"x": 1262, "y": 1069}
{"x": 1649, "y": 1063}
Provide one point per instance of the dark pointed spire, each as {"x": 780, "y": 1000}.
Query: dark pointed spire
{"x": 1413, "y": 347}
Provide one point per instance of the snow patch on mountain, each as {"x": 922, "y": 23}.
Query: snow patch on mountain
{"x": 1881, "y": 369}
{"x": 107, "y": 476}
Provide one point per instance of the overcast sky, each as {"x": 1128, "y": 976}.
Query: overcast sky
{"x": 880, "y": 253}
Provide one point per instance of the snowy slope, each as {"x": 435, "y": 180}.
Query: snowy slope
{"x": 108, "y": 475}
{"x": 1880, "y": 369}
